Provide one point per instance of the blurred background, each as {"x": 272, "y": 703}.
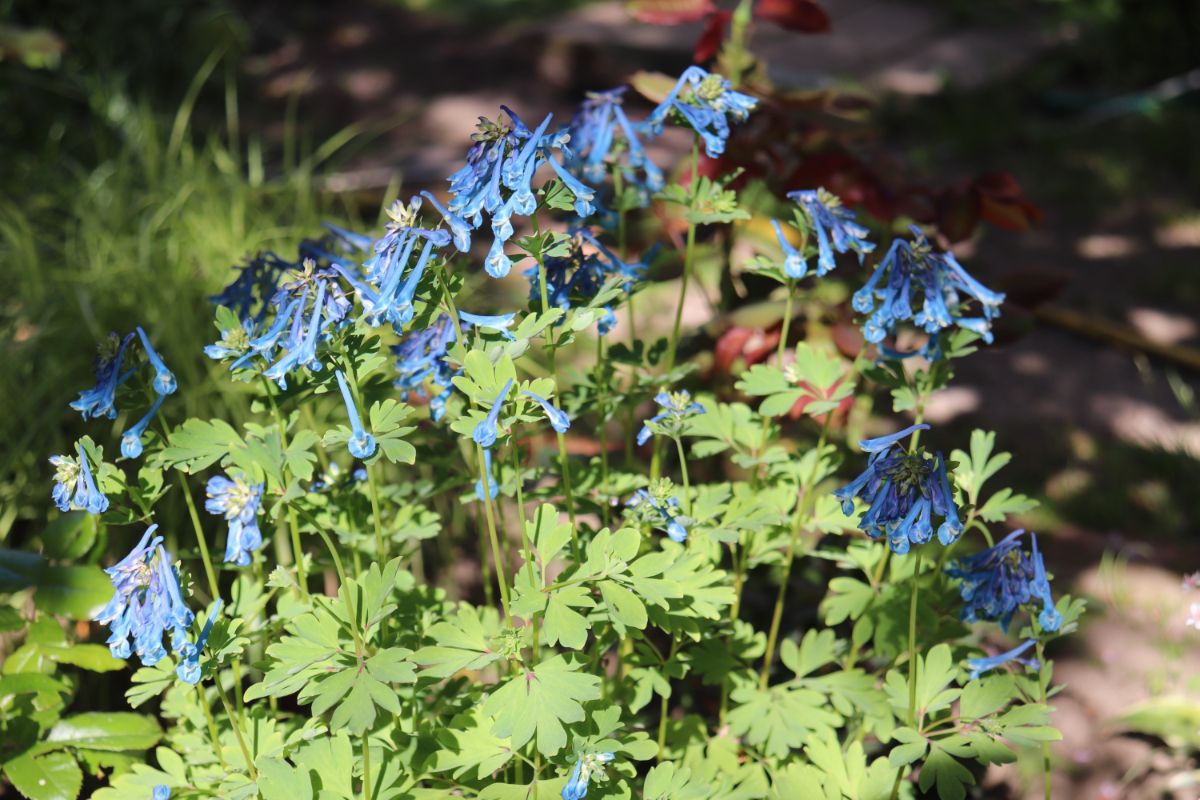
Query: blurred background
{"x": 147, "y": 146}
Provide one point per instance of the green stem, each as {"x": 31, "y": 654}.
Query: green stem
{"x": 737, "y": 42}
{"x": 212, "y": 726}
{"x": 689, "y": 254}
{"x": 209, "y": 572}
{"x": 1047, "y": 754}
{"x": 372, "y": 488}
{"x": 683, "y": 471}
{"x": 664, "y": 708}
{"x": 501, "y": 572}
{"x": 366, "y": 749}
{"x": 360, "y": 648}
{"x": 293, "y": 526}
{"x": 551, "y": 348}
{"x": 602, "y": 384}
{"x": 798, "y": 520}
{"x": 912, "y": 642}
{"x": 237, "y": 729}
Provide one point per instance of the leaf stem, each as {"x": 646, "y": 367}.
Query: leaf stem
{"x": 293, "y": 526}
{"x": 497, "y": 556}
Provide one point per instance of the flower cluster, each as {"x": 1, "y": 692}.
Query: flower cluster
{"x": 833, "y": 226}
{"x": 677, "y": 407}
{"x": 903, "y": 491}
{"x": 74, "y": 487}
{"x": 421, "y": 361}
{"x": 576, "y": 278}
{"x": 581, "y": 773}
{"x": 913, "y": 272}
{"x": 240, "y": 502}
{"x": 498, "y": 179}
{"x": 705, "y": 102}
{"x": 147, "y": 605}
{"x": 663, "y": 514}
{"x": 1001, "y": 580}
{"x": 603, "y": 137}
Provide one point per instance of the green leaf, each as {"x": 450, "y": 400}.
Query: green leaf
{"x": 54, "y": 776}
{"x": 951, "y": 777}
{"x": 984, "y": 697}
{"x": 198, "y": 444}
{"x": 561, "y": 622}
{"x": 69, "y": 536}
{"x": 279, "y": 780}
{"x": 781, "y": 718}
{"x": 106, "y": 730}
{"x": 71, "y": 591}
{"x": 912, "y": 747}
{"x": 461, "y": 645}
{"x": 539, "y": 701}
{"x": 468, "y": 742}
{"x": 817, "y": 649}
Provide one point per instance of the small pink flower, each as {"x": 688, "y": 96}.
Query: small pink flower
{"x": 1193, "y": 619}
{"x": 1191, "y": 582}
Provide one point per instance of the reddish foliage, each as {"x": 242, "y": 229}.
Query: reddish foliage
{"x": 839, "y": 413}
{"x": 711, "y": 37}
{"x": 750, "y": 344}
{"x": 800, "y": 16}
{"x": 669, "y": 12}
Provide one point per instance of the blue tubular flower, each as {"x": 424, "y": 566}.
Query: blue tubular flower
{"x": 996, "y": 582}
{"x": 240, "y": 503}
{"x": 361, "y": 443}
{"x": 161, "y": 792}
{"x": 676, "y": 407}
{"x": 460, "y": 231}
{"x": 584, "y": 195}
{"x": 164, "y": 379}
{"x": 495, "y": 322}
{"x": 558, "y": 418}
{"x": 146, "y": 605}
{"x": 485, "y": 432}
{"x": 234, "y": 343}
{"x": 131, "y": 440}
{"x": 493, "y": 487}
{"x": 944, "y": 286}
{"x": 188, "y": 668}
{"x": 585, "y": 767}
{"x": 87, "y": 497}
{"x": 421, "y": 357}
{"x": 1049, "y": 618}
{"x": 302, "y": 345}
{"x": 903, "y": 491}
{"x": 794, "y": 265}
{"x": 827, "y": 217}
{"x": 987, "y": 663}
{"x": 664, "y": 514}
{"x": 100, "y": 400}
{"x": 703, "y": 101}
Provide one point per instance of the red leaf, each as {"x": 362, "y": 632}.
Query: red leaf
{"x": 752, "y": 345}
{"x": 1003, "y": 204}
{"x": 801, "y": 16}
{"x": 669, "y": 12}
{"x": 710, "y": 39}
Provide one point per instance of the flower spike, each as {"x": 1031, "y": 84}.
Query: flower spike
{"x": 485, "y": 432}
{"x": 558, "y": 418}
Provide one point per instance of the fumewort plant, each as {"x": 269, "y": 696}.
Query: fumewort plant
{"x": 726, "y": 596}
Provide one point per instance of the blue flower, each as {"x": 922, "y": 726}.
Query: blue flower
{"x": 234, "y": 343}
{"x": 827, "y": 217}
{"x": 421, "y": 358}
{"x": 903, "y": 491}
{"x": 704, "y": 101}
{"x": 664, "y": 514}
{"x": 240, "y": 503}
{"x": 361, "y": 443}
{"x": 598, "y": 130}
{"x": 485, "y": 431}
{"x": 558, "y": 418}
{"x": 161, "y": 792}
{"x": 585, "y": 767}
{"x": 74, "y": 488}
{"x": 676, "y": 407}
{"x": 147, "y": 604}
{"x": 493, "y": 487}
{"x": 393, "y": 301}
{"x": 302, "y": 345}
{"x": 945, "y": 288}
{"x": 495, "y": 322}
{"x": 1049, "y": 618}
{"x": 460, "y": 231}
{"x": 188, "y": 668}
{"x": 100, "y": 400}
{"x": 986, "y": 663}
{"x": 794, "y": 265}
{"x": 584, "y": 195}
{"x": 996, "y": 582}
{"x": 575, "y": 278}
{"x": 131, "y": 440}
{"x": 164, "y": 379}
